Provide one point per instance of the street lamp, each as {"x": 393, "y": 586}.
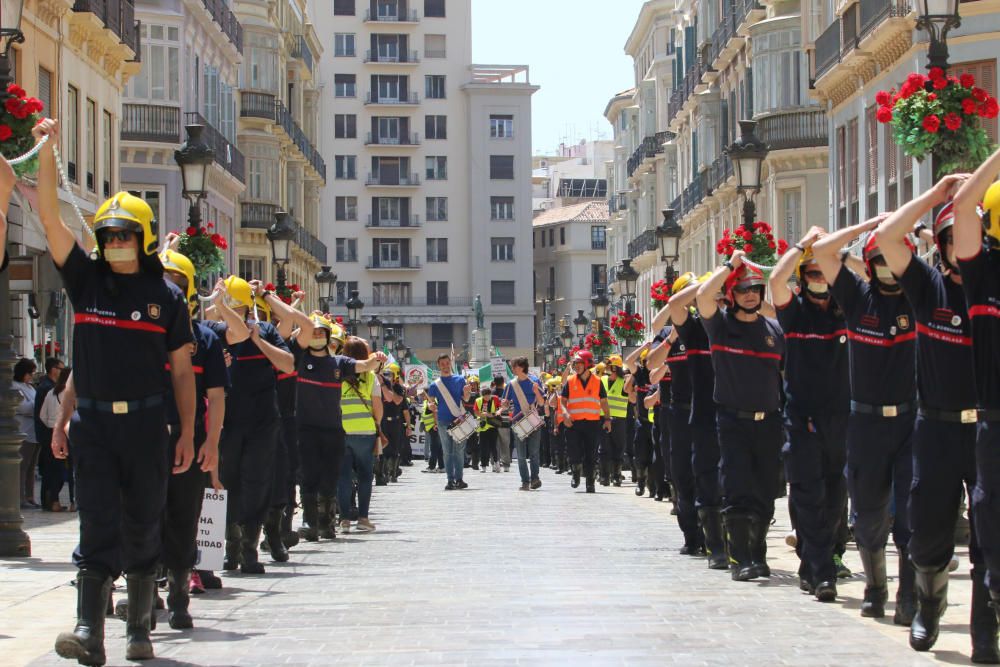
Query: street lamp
{"x": 937, "y": 17}
{"x": 193, "y": 157}
{"x": 400, "y": 346}
{"x": 600, "y": 304}
{"x": 669, "y": 234}
{"x": 326, "y": 279}
{"x": 374, "y": 329}
{"x": 390, "y": 336}
{"x": 580, "y": 322}
{"x": 10, "y": 33}
{"x": 627, "y": 278}
{"x": 566, "y": 336}
{"x": 354, "y": 307}
{"x": 748, "y": 153}
{"x": 281, "y": 235}
{"x": 549, "y": 355}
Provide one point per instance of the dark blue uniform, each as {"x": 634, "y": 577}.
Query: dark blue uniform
{"x": 881, "y": 338}
{"x": 817, "y": 392}
{"x": 125, "y": 328}
{"x": 676, "y": 412}
{"x": 185, "y": 491}
{"x": 704, "y": 435}
{"x": 286, "y": 469}
{"x": 643, "y": 427}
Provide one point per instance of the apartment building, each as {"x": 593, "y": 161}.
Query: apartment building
{"x": 859, "y": 47}
{"x": 77, "y": 57}
{"x": 429, "y": 204}
{"x": 191, "y": 54}
{"x": 696, "y": 62}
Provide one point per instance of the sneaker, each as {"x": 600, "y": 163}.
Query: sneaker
{"x": 953, "y": 564}
{"x": 450, "y": 486}
{"x": 345, "y": 526}
{"x": 506, "y": 468}
{"x": 496, "y": 467}
{"x": 536, "y": 484}
{"x": 525, "y": 486}
{"x": 483, "y": 469}
{"x": 843, "y": 572}
{"x": 196, "y": 587}
{"x": 209, "y": 580}
{"x": 461, "y": 485}
{"x": 365, "y": 526}
{"x": 440, "y": 470}
{"x": 428, "y": 470}
{"x": 791, "y": 539}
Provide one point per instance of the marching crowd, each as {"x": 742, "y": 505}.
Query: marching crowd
{"x": 869, "y": 388}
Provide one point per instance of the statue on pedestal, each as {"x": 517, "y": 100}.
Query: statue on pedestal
{"x": 478, "y": 308}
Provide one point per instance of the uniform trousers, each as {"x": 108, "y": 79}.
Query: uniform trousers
{"x": 749, "y": 462}
{"x": 682, "y": 473}
{"x": 247, "y": 469}
{"x": 488, "y": 447}
{"x": 582, "y": 440}
{"x": 322, "y": 451}
{"x": 705, "y": 464}
{"x": 185, "y": 493}
{"x": 986, "y": 500}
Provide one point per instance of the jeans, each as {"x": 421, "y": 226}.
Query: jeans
{"x": 503, "y": 446}
{"x": 359, "y": 460}
{"x": 435, "y": 459}
{"x": 454, "y": 455}
{"x": 528, "y": 449}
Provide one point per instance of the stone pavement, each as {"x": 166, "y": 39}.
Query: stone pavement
{"x": 488, "y": 576}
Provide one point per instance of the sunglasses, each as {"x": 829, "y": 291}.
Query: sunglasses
{"x": 815, "y": 275}
{"x": 744, "y": 290}
{"x": 116, "y": 235}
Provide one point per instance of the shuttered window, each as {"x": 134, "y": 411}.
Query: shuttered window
{"x": 871, "y": 137}
{"x": 985, "y": 72}
{"x": 45, "y": 91}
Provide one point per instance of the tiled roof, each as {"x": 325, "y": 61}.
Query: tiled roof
{"x": 590, "y": 211}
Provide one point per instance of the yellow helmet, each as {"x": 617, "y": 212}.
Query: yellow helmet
{"x": 262, "y": 308}
{"x": 126, "y": 211}
{"x": 685, "y": 280}
{"x": 644, "y": 354}
{"x": 177, "y": 263}
{"x": 473, "y": 379}
{"x": 991, "y": 213}
{"x": 806, "y": 259}
{"x": 337, "y": 333}
{"x": 394, "y": 367}
{"x": 238, "y": 293}
{"x": 600, "y": 368}
{"x": 554, "y": 382}
{"x": 616, "y": 360}
{"x": 321, "y": 322}
{"x": 705, "y": 276}
{"x": 545, "y": 377}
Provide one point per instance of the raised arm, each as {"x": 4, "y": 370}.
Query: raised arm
{"x": 631, "y": 362}
{"x": 827, "y": 249}
{"x": 678, "y": 304}
{"x": 57, "y": 234}
{"x": 786, "y": 266}
{"x": 968, "y": 226}
{"x": 893, "y": 230}
{"x": 707, "y": 290}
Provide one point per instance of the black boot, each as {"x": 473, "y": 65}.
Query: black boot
{"x": 605, "y": 473}
{"x": 178, "y": 597}
{"x": 616, "y": 477}
{"x": 577, "y": 471}
{"x": 141, "y": 591}
{"x": 982, "y": 621}
{"x": 758, "y": 547}
{"x": 639, "y": 477}
{"x": 590, "y": 483}
{"x": 288, "y": 536}
{"x": 272, "y": 536}
{"x": 249, "y": 562}
{"x": 392, "y": 470}
{"x": 325, "y": 520}
{"x": 906, "y": 592}
{"x": 310, "y": 515}
{"x": 86, "y": 642}
{"x": 932, "y": 596}
{"x": 233, "y": 538}
{"x": 715, "y": 544}
{"x": 738, "y": 538}
{"x": 876, "y": 584}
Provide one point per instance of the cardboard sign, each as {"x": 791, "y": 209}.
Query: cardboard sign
{"x": 499, "y": 366}
{"x": 416, "y": 376}
{"x": 211, "y": 540}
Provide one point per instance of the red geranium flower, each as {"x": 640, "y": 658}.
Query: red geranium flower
{"x": 192, "y": 231}
{"x": 980, "y": 94}
{"x": 883, "y": 115}
{"x": 5, "y": 132}
{"x": 882, "y": 98}
{"x": 782, "y": 246}
{"x": 967, "y": 80}
{"x": 17, "y": 90}
{"x": 931, "y": 123}
{"x": 747, "y": 248}
{"x": 932, "y": 96}
{"x": 952, "y": 121}
{"x": 211, "y": 226}
{"x": 968, "y": 106}
{"x": 935, "y": 73}
{"x": 991, "y": 108}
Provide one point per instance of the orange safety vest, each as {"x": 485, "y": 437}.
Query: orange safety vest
{"x": 584, "y": 404}
{"x": 559, "y": 414}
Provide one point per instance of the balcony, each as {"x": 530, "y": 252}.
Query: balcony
{"x": 694, "y": 193}
{"x": 411, "y": 302}
{"x": 301, "y": 51}
{"x": 226, "y": 154}
{"x": 857, "y": 34}
{"x": 401, "y": 263}
{"x": 396, "y": 100}
{"x": 287, "y": 123}
{"x": 226, "y": 21}
{"x": 402, "y": 222}
{"x": 642, "y": 243}
{"x": 399, "y": 16}
{"x": 649, "y": 148}
{"x": 257, "y": 105}
{"x": 718, "y": 173}
{"x": 118, "y": 16}
{"x": 393, "y": 180}
{"x": 398, "y": 58}
{"x": 151, "y": 122}
{"x": 403, "y": 140}
{"x": 310, "y": 244}
{"x": 801, "y": 129}
{"x": 827, "y": 52}
{"x": 617, "y": 202}
{"x": 257, "y": 215}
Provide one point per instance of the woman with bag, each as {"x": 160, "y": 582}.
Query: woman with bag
{"x": 361, "y": 406}
{"x": 24, "y": 414}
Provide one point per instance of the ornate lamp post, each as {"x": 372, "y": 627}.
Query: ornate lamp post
{"x": 10, "y": 33}
{"x": 374, "y": 330}
{"x": 326, "y": 279}
{"x": 194, "y": 157}
{"x": 937, "y": 17}
{"x": 669, "y": 235}
{"x": 354, "y": 307}
{"x": 566, "y": 336}
{"x": 627, "y": 278}
{"x": 580, "y": 322}
{"x": 281, "y": 235}
{"x": 389, "y": 338}
{"x": 600, "y": 304}
{"x": 748, "y": 153}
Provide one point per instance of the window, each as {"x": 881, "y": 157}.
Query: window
{"x": 853, "y": 186}
{"x": 262, "y": 68}
{"x": 388, "y": 253}
{"x": 434, "y": 87}
{"x": 346, "y": 166}
{"x": 434, "y": 8}
{"x": 437, "y": 209}
{"x": 562, "y": 236}
{"x": 347, "y": 250}
{"x": 251, "y": 268}
{"x": 151, "y": 197}
{"x": 434, "y": 46}
{"x": 347, "y": 208}
{"x": 44, "y": 90}
{"x": 552, "y": 282}
{"x": 552, "y": 236}
{"x": 502, "y": 249}
{"x": 160, "y": 76}
{"x": 598, "y": 278}
{"x": 841, "y": 177}
{"x": 344, "y": 289}
{"x": 71, "y": 129}
{"x": 391, "y": 294}
{"x": 501, "y": 127}
{"x": 345, "y": 126}
{"x": 343, "y": 7}
{"x": 501, "y": 208}
{"x": 343, "y": 44}
{"x": 107, "y": 135}
{"x": 777, "y": 68}
{"x": 441, "y": 335}
{"x": 502, "y": 292}
{"x": 437, "y": 292}
{"x": 436, "y": 167}
{"x": 503, "y": 334}
{"x": 871, "y": 135}
{"x": 437, "y": 250}
{"x": 436, "y": 127}
{"x": 598, "y": 237}
{"x": 262, "y": 169}
{"x": 388, "y": 210}
{"x": 345, "y": 85}
{"x": 502, "y": 167}
{"x": 92, "y": 145}
{"x": 791, "y": 205}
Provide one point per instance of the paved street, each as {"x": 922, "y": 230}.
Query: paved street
{"x": 487, "y": 576}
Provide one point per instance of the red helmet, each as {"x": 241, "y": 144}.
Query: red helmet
{"x": 944, "y": 219}
{"x": 744, "y": 277}
{"x": 872, "y": 251}
{"x": 585, "y": 357}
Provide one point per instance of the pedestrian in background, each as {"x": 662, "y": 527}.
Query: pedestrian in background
{"x": 24, "y": 369}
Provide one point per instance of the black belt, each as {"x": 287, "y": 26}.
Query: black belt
{"x": 969, "y": 416}
{"x": 680, "y": 406}
{"x": 883, "y": 410}
{"x": 119, "y": 407}
{"x": 757, "y": 416}
{"x": 989, "y": 415}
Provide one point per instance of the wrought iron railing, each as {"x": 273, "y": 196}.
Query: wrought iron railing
{"x": 800, "y": 129}
{"x": 398, "y": 57}
{"x": 393, "y": 179}
{"x": 402, "y": 221}
{"x": 257, "y": 215}
{"x": 116, "y": 15}
{"x": 302, "y": 51}
{"x": 375, "y": 98}
{"x": 228, "y": 23}
{"x": 257, "y": 105}
{"x": 226, "y": 154}
{"x": 400, "y": 16}
{"x": 412, "y": 139}
{"x": 151, "y": 122}
{"x": 827, "y": 52}
{"x": 285, "y": 120}
{"x": 408, "y": 262}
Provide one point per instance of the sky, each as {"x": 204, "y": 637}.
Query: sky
{"x": 576, "y": 52}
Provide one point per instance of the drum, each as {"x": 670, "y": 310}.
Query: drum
{"x": 462, "y": 428}
{"x": 527, "y": 425}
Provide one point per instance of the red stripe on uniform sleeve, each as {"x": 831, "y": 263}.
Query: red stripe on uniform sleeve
{"x": 745, "y": 353}
{"x": 944, "y": 336}
{"x": 814, "y": 336}
{"x": 983, "y": 310}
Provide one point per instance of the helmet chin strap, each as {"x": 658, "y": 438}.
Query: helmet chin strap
{"x": 748, "y": 311}
{"x": 819, "y": 296}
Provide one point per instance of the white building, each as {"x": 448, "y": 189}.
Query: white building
{"x": 429, "y": 201}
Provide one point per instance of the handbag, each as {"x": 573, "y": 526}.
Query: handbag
{"x": 464, "y": 425}
{"x": 530, "y": 420}
{"x": 381, "y": 439}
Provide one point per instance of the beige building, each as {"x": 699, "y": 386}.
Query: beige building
{"x": 429, "y": 200}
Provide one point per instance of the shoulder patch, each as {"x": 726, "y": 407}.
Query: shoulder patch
{"x": 153, "y": 310}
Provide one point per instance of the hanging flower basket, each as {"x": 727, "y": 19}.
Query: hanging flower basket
{"x": 600, "y": 344}
{"x": 659, "y": 293}
{"x": 18, "y": 115}
{"x": 760, "y": 245}
{"x": 940, "y": 115}
{"x": 629, "y": 327}
{"x": 285, "y": 294}
{"x": 204, "y": 248}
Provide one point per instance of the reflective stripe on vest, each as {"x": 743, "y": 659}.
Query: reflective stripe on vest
{"x": 427, "y": 417}
{"x": 617, "y": 400}
{"x": 490, "y": 409}
{"x": 356, "y": 416}
{"x": 584, "y": 404}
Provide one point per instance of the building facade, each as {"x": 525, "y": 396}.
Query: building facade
{"x": 429, "y": 204}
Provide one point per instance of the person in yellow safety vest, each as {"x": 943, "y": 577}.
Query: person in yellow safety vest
{"x": 432, "y": 444}
{"x": 487, "y": 405}
{"x": 585, "y": 403}
{"x": 613, "y": 445}
{"x": 554, "y": 405}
